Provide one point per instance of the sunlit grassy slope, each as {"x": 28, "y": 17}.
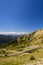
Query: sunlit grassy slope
{"x": 24, "y": 59}
{"x": 22, "y": 42}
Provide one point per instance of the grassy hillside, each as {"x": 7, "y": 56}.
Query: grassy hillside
{"x": 34, "y": 58}
{"x": 19, "y": 44}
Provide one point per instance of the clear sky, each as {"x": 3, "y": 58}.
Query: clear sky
{"x": 21, "y": 15}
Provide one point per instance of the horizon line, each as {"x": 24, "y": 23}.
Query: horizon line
{"x": 13, "y": 32}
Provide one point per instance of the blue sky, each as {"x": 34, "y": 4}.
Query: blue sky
{"x": 21, "y": 15}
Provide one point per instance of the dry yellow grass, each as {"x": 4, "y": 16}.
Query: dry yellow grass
{"x": 24, "y": 59}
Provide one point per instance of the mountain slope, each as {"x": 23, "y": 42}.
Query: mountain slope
{"x": 21, "y": 41}
{"x": 22, "y": 44}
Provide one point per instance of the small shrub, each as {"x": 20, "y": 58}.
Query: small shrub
{"x": 5, "y": 54}
{"x": 32, "y": 58}
{"x": 3, "y": 51}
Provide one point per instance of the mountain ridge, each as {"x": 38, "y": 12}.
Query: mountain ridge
{"x": 24, "y": 40}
